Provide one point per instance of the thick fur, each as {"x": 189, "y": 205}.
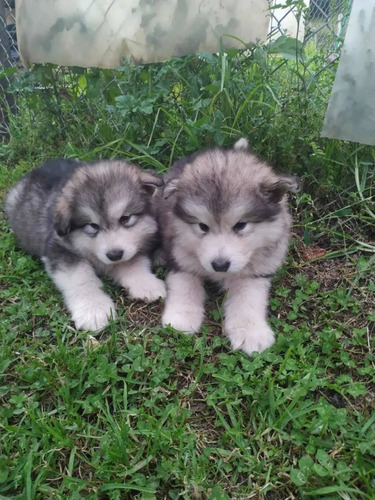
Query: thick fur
{"x": 84, "y": 219}
{"x": 224, "y": 217}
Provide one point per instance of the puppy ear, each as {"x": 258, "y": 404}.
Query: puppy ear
{"x": 62, "y": 223}
{"x": 150, "y": 183}
{"x": 170, "y": 188}
{"x": 62, "y": 217}
{"x": 276, "y": 190}
{"x": 242, "y": 145}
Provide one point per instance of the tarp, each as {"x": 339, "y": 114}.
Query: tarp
{"x": 102, "y": 33}
{"x": 351, "y": 110}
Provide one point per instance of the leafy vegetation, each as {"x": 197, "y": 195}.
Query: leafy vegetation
{"x": 144, "y": 412}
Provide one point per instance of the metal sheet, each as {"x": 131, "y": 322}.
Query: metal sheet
{"x": 351, "y": 110}
{"x": 102, "y": 32}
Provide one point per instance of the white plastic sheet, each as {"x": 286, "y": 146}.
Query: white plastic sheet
{"x": 102, "y": 33}
{"x": 351, "y": 110}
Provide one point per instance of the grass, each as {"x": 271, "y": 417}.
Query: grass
{"x": 145, "y": 412}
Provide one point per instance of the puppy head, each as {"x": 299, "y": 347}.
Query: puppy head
{"x": 226, "y": 205}
{"x": 104, "y": 211}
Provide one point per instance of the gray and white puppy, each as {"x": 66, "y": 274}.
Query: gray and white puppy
{"x": 85, "y": 219}
{"x": 224, "y": 217}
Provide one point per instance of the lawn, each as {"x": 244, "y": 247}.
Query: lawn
{"x": 141, "y": 411}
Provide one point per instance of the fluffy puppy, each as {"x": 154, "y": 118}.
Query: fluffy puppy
{"x": 224, "y": 217}
{"x": 85, "y": 219}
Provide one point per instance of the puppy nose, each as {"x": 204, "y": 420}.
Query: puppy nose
{"x": 115, "y": 255}
{"x": 220, "y": 265}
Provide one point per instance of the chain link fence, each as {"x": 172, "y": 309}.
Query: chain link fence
{"x": 318, "y": 24}
{"x": 9, "y": 58}
{"x": 320, "y": 21}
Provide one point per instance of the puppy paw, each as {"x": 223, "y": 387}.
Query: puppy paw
{"x": 93, "y": 314}
{"x": 148, "y": 289}
{"x": 250, "y": 338}
{"x": 186, "y": 321}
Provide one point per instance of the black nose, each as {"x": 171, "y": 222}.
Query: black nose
{"x": 115, "y": 255}
{"x": 220, "y": 265}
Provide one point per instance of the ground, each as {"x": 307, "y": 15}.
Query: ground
{"x": 139, "y": 411}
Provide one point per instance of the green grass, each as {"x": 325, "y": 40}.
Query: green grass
{"x": 146, "y": 412}
{"x": 151, "y": 413}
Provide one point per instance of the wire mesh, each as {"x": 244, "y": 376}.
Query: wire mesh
{"x": 319, "y": 24}
{"x": 9, "y": 59}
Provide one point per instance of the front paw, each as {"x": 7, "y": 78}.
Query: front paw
{"x": 148, "y": 290}
{"x": 93, "y": 314}
{"x": 185, "y": 320}
{"x": 250, "y": 338}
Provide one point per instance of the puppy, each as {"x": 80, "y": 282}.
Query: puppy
{"x": 224, "y": 217}
{"x": 85, "y": 219}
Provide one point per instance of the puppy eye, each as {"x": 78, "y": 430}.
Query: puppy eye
{"x": 239, "y": 226}
{"x": 124, "y": 219}
{"x": 91, "y": 229}
{"x": 203, "y": 227}
{"x": 128, "y": 220}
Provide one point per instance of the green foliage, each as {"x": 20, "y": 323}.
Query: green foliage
{"x": 166, "y": 110}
